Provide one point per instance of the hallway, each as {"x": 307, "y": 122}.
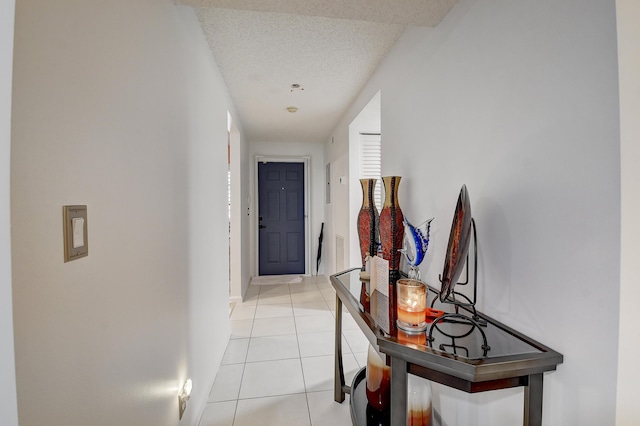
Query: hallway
{"x": 278, "y": 365}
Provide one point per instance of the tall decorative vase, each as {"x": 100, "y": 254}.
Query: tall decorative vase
{"x": 368, "y": 220}
{"x": 391, "y": 223}
{"x": 378, "y": 376}
{"x": 419, "y": 402}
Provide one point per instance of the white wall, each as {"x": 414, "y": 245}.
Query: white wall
{"x": 240, "y": 195}
{"x": 317, "y": 195}
{"x": 8, "y": 407}
{"x": 628, "y": 16}
{"x": 208, "y": 263}
{"x": 336, "y": 152}
{"x": 518, "y": 100}
{"x": 117, "y": 105}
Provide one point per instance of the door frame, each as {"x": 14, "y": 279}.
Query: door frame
{"x": 307, "y": 197}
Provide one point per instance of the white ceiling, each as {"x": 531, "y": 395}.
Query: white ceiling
{"x": 329, "y": 47}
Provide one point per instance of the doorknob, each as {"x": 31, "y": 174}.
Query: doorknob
{"x": 262, "y": 226}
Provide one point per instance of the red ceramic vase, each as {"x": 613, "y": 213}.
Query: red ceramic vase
{"x": 368, "y": 220}
{"x": 391, "y": 223}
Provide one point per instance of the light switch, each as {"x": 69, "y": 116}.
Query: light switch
{"x": 75, "y": 232}
{"x": 78, "y": 232}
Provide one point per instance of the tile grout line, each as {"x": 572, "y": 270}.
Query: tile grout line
{"x": 244, "y": 364}
{"x": 304, "y": 382}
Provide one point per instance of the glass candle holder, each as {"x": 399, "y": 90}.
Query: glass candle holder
{"x": 411, "y": 304}
{"x": 416, "y": 338}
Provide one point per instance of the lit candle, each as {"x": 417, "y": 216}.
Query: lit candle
{"x": 412, "y": 303}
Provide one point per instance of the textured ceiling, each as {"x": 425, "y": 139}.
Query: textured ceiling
{"x": 330, "y": 48}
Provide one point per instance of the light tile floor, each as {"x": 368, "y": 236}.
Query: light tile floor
{"x": 278, "y": 365}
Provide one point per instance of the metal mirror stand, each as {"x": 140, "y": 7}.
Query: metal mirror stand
{"x": 475, "y": 321}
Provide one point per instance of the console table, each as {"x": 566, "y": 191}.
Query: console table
{"x": 497, "y": 357}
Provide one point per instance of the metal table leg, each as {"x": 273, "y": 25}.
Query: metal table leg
{"x": 338, "y": 374}
{"x": 398, "y": 392}
{"x": 533, "y": 401}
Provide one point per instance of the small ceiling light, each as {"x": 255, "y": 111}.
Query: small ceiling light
{"x": 292, "y": 109}
{"x": 296, "y": 86}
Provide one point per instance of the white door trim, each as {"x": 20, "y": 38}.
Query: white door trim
{"x": 306, "y": 160}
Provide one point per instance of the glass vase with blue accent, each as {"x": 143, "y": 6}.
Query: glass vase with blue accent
{"x": 415, "y": 244}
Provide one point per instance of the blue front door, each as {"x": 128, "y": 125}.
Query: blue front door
{"x": 281, "y": 218}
